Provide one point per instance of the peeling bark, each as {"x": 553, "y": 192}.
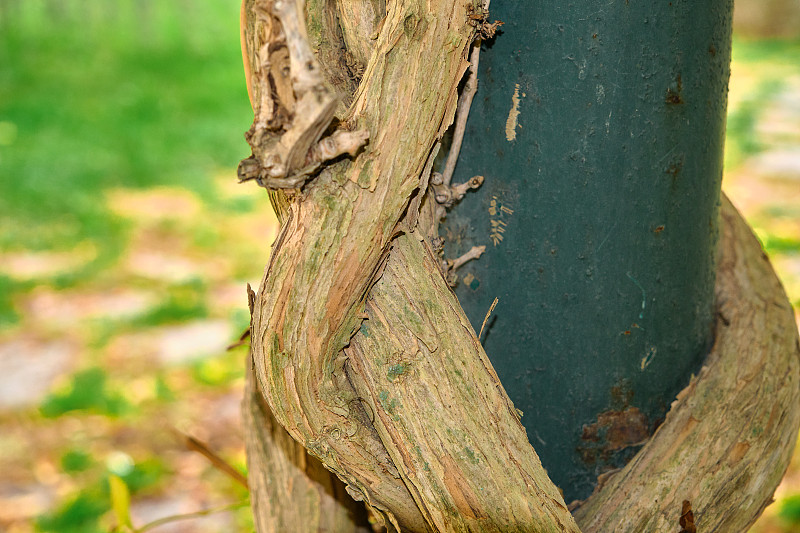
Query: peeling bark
{"x": 439, "y": 407}
{"x": 290, "y": 490}
{"x": 335, "y": 240}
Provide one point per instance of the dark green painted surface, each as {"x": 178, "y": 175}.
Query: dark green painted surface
{"x": 607, "y": 201}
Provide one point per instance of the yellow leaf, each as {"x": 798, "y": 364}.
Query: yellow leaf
{"x": 120, "y": 500}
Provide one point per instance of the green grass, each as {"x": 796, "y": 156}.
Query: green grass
{"x": 783, "y": 245}
{"x": 74, "y": 461}
{"x": 180, "y": 303}
{"x": 218, "y": 371}
{"x": 88, "y": 391}
{"x": 95, "y": 95}
{"x": 775, "y": 59}
{"x": 781, "y": 52}
{"x": 741, "y": 138}
{"x": 790, "y": 510}
{"x": 8, "y": 315}
{"x": 82, "y": 512}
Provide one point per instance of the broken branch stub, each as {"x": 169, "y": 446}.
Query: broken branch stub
{"x": 315, "y": 103}
{"x": 449, "y": 195}
{"x": 293, "y": 104}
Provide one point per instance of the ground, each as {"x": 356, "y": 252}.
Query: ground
{"x": 126, "y": 246}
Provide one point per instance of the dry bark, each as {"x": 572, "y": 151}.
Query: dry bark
{"x": 290, "y": 490}
{"x": 439, "y": 408}
{"x": 335, "y": 240}
{"x": 362, "y": 351}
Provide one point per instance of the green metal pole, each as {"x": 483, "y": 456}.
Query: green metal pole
{"x": 599, "y": 127}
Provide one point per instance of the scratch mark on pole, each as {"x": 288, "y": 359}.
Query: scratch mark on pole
{"x": 644, "y": 295}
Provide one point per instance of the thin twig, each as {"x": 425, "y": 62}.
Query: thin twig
{"x": 463, "y": 107}
{"x": 241, "y": 341}
{"x": 473, "y": 253}
{"x": 486, "y": 318}
{"x": 186, "y": 516}
{"x": 218, "y": 462}
{"x": 458, "y": 191}
{"x": 462, "y": 112}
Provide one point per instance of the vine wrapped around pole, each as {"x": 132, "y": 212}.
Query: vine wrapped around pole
{"x": 359, "y": 346}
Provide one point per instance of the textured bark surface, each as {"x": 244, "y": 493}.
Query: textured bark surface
{"x": 334, "y": 243}
{"x": 366, "y": 359}
{"x": 728, "y": 437}
{"x": 290, "y": 490}
{"x": 439, "y": 408}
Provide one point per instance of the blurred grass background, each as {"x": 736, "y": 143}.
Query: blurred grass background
{"x": 125, "y": 246}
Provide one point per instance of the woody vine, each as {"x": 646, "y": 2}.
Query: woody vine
{"x": 363, "y": 364}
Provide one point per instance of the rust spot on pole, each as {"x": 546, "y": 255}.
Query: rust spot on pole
{"x": 613, "y": 431}
{"x": 675, "y": 93}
